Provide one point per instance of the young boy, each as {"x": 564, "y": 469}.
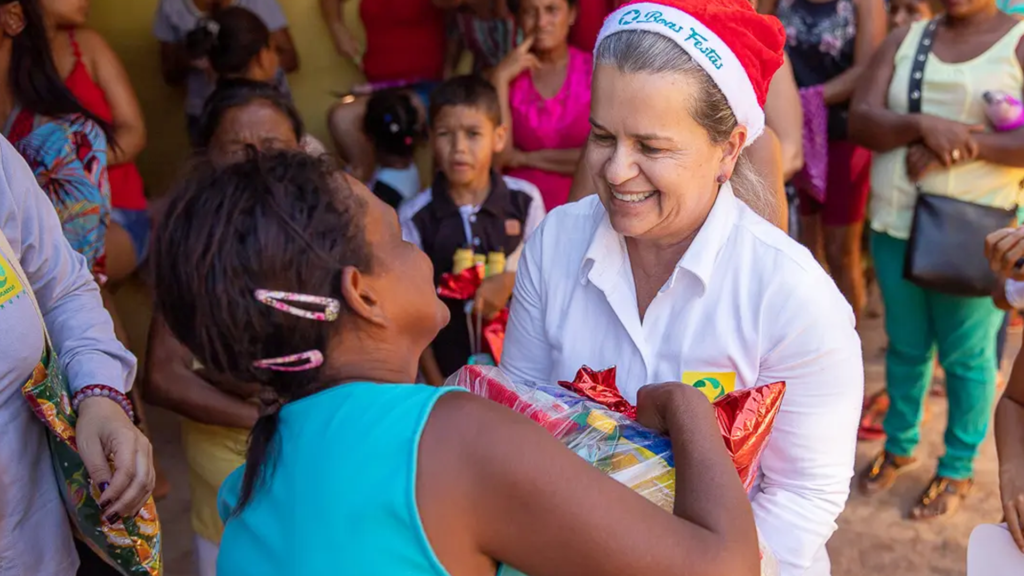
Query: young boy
{"x": 469, "y": 207}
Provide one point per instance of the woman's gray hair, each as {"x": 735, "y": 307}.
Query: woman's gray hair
{"x": 639, "y": 51}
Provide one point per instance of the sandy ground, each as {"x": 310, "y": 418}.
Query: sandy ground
{"x": 873, "y": 536}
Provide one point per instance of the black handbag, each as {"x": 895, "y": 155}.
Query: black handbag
{"x": 946, "y": 252}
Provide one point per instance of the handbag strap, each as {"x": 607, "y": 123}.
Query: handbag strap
{"x": 8, "y": 253}
{"x": 924, "y": 48}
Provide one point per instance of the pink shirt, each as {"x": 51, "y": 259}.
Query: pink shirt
{"x": 559, "y": 123}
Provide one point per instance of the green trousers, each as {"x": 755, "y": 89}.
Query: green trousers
{"x": 919, "y": 321}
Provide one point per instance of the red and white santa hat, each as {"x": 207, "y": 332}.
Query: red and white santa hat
{"x": 738, "y": 48}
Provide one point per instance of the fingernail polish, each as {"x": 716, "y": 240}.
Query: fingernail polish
{"x": 112, "y": 518}
{"x": 104, "y": 486}
{"x": 104, "y": 504}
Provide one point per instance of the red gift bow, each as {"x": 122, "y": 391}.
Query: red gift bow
{"x": 745, "y": 417}
{"x": 463, "y": 286}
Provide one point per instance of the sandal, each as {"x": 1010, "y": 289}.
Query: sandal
{"x": 872, "y": 416}
{"x": 884, "y": 471}
{"x": 943, "y": 497}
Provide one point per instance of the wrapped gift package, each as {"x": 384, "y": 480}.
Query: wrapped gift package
{"x": 591, "y": 418}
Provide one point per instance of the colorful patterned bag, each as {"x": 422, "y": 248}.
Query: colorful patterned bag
{"x": 132, "y": 545}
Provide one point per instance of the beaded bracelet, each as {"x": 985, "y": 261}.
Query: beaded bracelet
{"x": 102, "y": 391}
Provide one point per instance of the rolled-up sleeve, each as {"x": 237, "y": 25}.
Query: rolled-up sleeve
{"x": 809, "y": 460}
{"x": 527, "y": 355}
{"x": 79, "y": 326}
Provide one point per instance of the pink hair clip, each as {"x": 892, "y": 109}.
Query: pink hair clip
{"x": 313, "y": 358}
{"x": 277, "y": 300}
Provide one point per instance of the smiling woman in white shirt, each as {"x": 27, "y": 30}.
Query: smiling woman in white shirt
{"x": 666, "y": 275}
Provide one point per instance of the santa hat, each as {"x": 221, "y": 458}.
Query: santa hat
{"x": 738, "y": 48}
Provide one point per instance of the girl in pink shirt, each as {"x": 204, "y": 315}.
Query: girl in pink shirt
{"x": 544, "y": 85}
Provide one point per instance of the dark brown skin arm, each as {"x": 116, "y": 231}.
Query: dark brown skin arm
{"x": 494, "y": 486}
{"x": 172, "y": 384}
{"x": 1009, "y": 431}
{"x": 871, "y": 22}
{"x": 174, "y": 63}
{"x": 582, "y": 183}
{"x": 785, "y": 116}
{"x": 872, "y": 124}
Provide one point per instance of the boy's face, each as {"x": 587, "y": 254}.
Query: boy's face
{"x": 906, "y": 12}
{"x": 465, "y": 141}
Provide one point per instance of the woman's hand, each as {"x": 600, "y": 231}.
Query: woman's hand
{"x": 1011, "y": 488}
{"x": 920, "y": 161}
{"x": 951, "y": 141}
{"x": 347, "y": 46}
{"x": 103, "y": 431}
{"x": 1004, "y": 250}
{"x": 516, "y": 62}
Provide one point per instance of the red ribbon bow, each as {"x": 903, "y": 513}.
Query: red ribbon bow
{"x": 463, "y": 286}
{"x": 745, "y": 417}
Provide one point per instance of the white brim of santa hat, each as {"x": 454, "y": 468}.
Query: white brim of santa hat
{"x": 705, "y": 47}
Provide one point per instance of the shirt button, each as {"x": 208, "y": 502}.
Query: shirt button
{"x": 472, "y": 219}
{"x": 476, "y": 241}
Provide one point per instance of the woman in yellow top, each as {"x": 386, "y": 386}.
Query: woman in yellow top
{"x": 947, "y": 150}
{"x": 217, "y": 420}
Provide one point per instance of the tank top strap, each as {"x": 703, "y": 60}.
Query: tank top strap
{"x": 1010, "y": 40}
{"x": 74, "y": 45}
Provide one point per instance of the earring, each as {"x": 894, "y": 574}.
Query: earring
{"x": 722, "y": 179}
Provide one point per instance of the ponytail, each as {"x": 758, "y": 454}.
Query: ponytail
{"x": 259, "y": 458}
{"x": 230, "y": 39}
{"x": 34, "y": 80}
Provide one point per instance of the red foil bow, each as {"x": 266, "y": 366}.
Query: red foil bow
{"x": 745, "y": 417}
{"x": 599, "y": 386}
{"x": 461, "y": 286}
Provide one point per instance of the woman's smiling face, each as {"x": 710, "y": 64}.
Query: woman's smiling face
{"x": 657, "y": 169}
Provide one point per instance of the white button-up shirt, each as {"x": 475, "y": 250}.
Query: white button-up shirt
{"x": 745, "y": 306}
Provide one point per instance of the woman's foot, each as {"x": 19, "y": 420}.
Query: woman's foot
{"x": 943, "y": 497}
{"x": 872, "y": 416}
{"x": 883, "y": 472}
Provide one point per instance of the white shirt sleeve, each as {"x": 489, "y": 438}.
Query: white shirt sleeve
{"x": 68, "y": 296}
{"x": 527, "y": 355}
{"x": 1015, "y": 294}
{"x": 163, "y": 28}
{"x": 809, "y": 460}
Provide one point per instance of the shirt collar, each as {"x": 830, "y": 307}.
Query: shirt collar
{"x": 496, "y": 201}
{"x": 607, "y": 251}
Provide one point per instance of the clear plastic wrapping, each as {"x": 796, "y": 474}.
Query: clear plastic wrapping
{"x": 607, "y": 439}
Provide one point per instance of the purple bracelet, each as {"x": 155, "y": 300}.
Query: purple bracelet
{"x": 102, "y": 391}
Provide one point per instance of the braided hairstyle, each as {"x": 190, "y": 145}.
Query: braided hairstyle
{"x": 278, "y": 221}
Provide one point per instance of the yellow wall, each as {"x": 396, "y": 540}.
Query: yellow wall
{"x": 127, "y": 25}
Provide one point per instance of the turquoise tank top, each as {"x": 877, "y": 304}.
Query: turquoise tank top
{"x": 341, "y": 498}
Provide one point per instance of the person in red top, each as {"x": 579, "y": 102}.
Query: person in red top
{"x": 405, "y": 44}
{"x": 95, "y": 76}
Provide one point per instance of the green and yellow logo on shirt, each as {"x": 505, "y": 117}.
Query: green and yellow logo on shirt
{"x": 714, "y": 385}
{"x": 10, "y": 285}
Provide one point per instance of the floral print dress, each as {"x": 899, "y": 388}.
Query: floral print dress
{"x": 820, "y": 40}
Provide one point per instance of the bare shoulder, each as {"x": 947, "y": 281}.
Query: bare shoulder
{"x": 94, "y": 47}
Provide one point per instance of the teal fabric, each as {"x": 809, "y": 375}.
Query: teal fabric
{"x": 341, "y": 498}
{"x": 963, "y": 330}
